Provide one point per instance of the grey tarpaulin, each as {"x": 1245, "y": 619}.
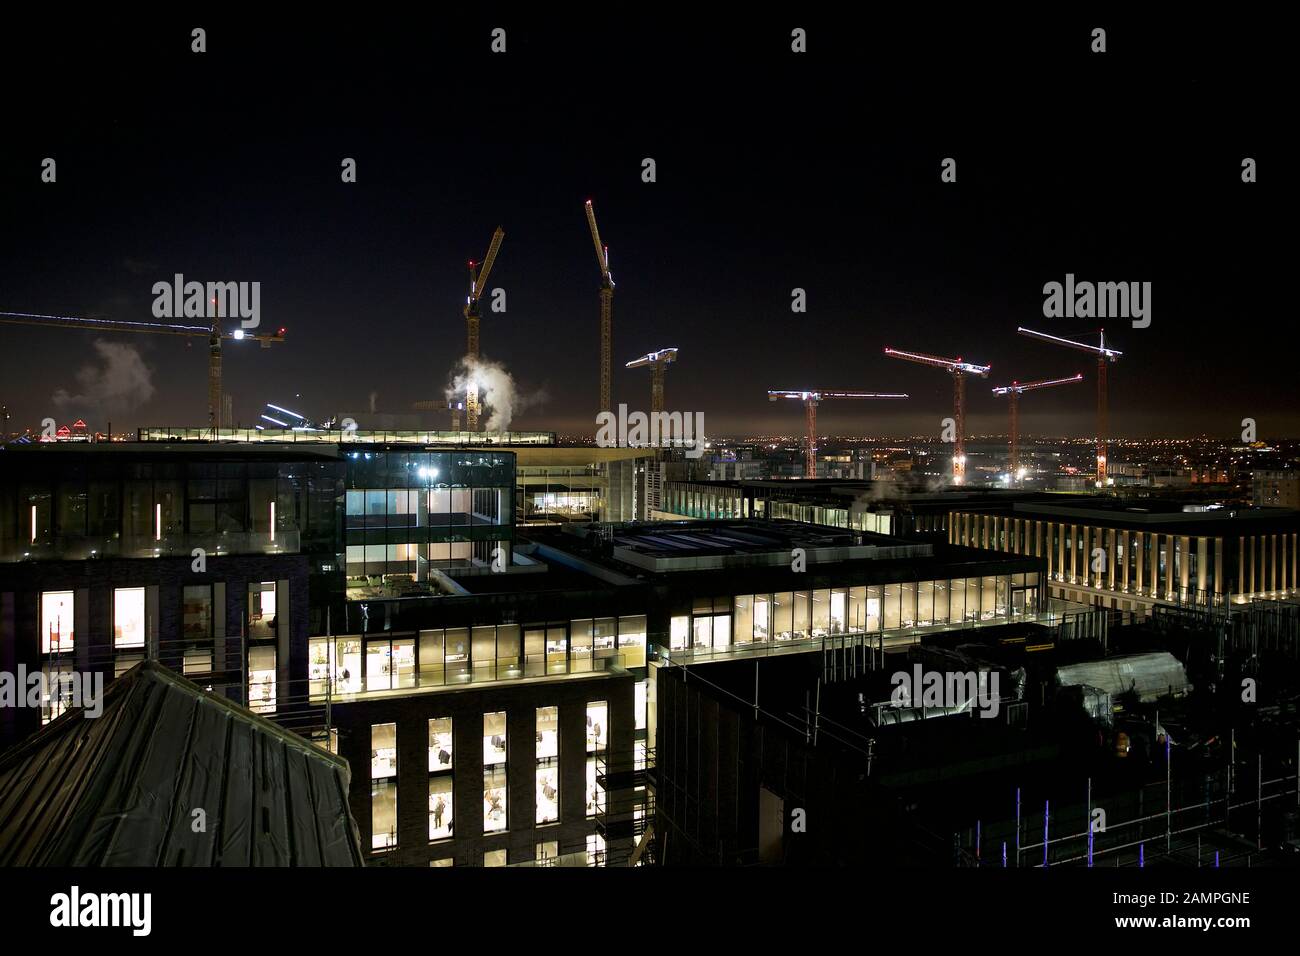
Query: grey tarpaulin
{"x": 120, "y": 789}
{"x": 1151, "y": 675}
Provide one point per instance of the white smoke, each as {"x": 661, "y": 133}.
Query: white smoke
{"x": 121, "y": 384}
{"x": 499, "y": 398}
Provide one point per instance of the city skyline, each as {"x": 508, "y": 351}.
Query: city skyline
{"x": 783, "y": 191}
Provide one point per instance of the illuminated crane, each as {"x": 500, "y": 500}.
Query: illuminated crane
{"x": 657, "y": 361}
{"x": 1104, "y": 356}
{"x": 811, "y": 399}
{"x": 1014, "y": 391}
{"x": 958, "y": 370}
{"x": 213, "y": 333}
{"x": 606, "y": 311}
{"x": 478, "y": 276}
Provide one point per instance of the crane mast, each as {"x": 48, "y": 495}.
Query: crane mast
{"x": 478, "y": 276}
{"x": 958, "y": 369}
{"x": 657, "y": 362}
{"x": 606, "y": 311}
{"x": 811, "y": 398}
{"x": 1013, "y": 393}
{"x": 1105, "y": 356}
{"x": 213, "y": 333}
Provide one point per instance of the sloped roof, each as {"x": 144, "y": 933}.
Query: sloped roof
{"x": 120, "y": 789}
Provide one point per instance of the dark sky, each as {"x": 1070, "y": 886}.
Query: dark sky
{"x": 775, "y": 171}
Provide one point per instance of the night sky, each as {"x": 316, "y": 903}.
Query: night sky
{"x": 775, "y": 171}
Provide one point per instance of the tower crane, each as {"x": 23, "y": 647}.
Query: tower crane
{"x": 606, "y": 310}
{"x": 478, "y": 276}
{"x": 958, "y": 369}
{"x": 811, "y": 398}
{"x": 1013, "y": 392}
{"x": 213, "y": 333}
{"x": 1104, "y": 356}
{"x": 657, "y": 362}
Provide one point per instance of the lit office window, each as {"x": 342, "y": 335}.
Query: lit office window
{"x": 802, "y": 615}
{"x": 604, "y": 635}
{"x": 631, "y": 640}
{"x": 483, "y": 652}
{"x": 821, "y": 612}
{"x": 196, "y": 612}
{"x": 56, "y": 622}
{"x": 318, "y": 666}
{"x": 440, "y": 744}
{"x": 839, "y": 610}
{"x": 383, "y": 814}
{"x": 640, "y": 703}
{"x": 440, "y": 806}
{"x": 595, "y": 795}
{"x": 195, "y": 661}
{"x": 494, "y": 738}
{"x": 548, "y": 852}
{"x": 857, "y": 611}
{"x": 128, "y": 617}
{"x": 383, "y": 785}
{"x": 383, "y": 751}
{"x": 597, "y": 737}
{"x": 261, "y": 679}
{"x": 548, "y": 765}
{"x": 597, "y": 725}
{"x": 494, "y": 799}
{"x": 494, "y": 858}
{"x": 508, "y": 651}
{"x": 261, "y": 610}
{"x": 379, "y": 665}
{"x": 743, "y": 615}
{"x": 347, "y": 665}
{"x": 548, "y": 732}
{"x": 548, "y": 792}
{"x": 445, "y": 861}
{"x": 679, "y": 628}
{"x": 763, "y": 610}
{"x": 595, "y": 850}
{"x": 782, "y": 615}
{"x": 56, "y": 692}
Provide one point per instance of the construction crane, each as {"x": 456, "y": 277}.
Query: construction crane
{"x": 811, "y": 399}
{"x": 606, "y": 311}
{"x": 1104, "y": 357}
{"x": 478, "y": 276}
{"x": 958, "y": 369}
{"x": 657, "y": 361}
{"x": 213, "y": 333}
{"x": 1013, "y": 392}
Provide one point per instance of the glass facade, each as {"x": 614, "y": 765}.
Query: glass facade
{"x": 148, "y": 505}
{"x": 437, "y": 657}
{"x": 409, "y": 513}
